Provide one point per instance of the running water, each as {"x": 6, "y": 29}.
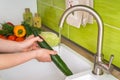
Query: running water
{"x": 60, "y": 34}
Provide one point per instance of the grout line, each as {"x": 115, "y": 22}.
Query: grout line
{"x": 114, "y": 27}
{"x": 58, "y": 8}
{"x": 68, "y": 32}
{"x": 52, "y": 5}
{"x": 108, "y": 25}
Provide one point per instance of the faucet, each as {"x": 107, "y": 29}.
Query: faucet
{"x": 99, "y": 65}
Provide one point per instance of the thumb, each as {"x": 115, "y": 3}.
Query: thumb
{"x": 52, "y": 52}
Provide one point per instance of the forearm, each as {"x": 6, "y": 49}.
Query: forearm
{"x": 9, "y": 46}
{"x": 10, "y": 60}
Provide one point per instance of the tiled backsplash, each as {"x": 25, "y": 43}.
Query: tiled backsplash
{"x": 51, "y": 11}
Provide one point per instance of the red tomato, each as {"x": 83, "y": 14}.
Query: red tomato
{"x": 12, "y": 37}
{"x": 18, "y": 39}
{"x": 2, "y": 37}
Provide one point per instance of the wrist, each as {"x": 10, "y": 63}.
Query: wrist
{"x": 37, "y": 53}
{"x": 20, "y": 46}
{"x": 33, "y": 54}
{"x": 30, "y": 54}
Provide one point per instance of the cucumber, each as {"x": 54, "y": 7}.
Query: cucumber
{"x": 55, "y": 58}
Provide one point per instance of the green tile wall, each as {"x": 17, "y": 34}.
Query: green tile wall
{"x": 51, "y": 11}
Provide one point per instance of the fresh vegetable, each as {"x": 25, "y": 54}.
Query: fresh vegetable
{"x": 9, "y": 28}
{"x": 18, "y": 39}
{"x": 5, "y": 32}
{"x": 11, "y": 37}
{"x": 51, "y": 38}
{"x": 19, "y": 31}
{"x": 28, "y": 31}
{"x": 2, "y": 37}
{"x": 55, "y": 58}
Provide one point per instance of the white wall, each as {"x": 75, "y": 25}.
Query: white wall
{"x": 12, "y": 10}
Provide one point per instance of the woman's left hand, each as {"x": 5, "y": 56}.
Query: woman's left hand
{"x": 30, "y": 43}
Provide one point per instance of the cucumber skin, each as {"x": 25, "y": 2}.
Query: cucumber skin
{"x": 55, "y": 58}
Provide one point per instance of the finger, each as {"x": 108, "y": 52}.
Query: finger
{"x": 25, "y": 49}
{"x": 36, "y": 39}
{"x": 29, "y": 37}
{"x": 35, "y": 44}
{"x": 35, "y": 47}
{"x": 52, "y": 52}
{"x": 30, "y": 42}
{"x": 44, "y": 60}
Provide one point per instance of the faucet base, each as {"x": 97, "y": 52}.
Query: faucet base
{"x": 99, "y": 72}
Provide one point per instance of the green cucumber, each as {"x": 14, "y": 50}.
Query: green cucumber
{"x": 55, "y": 58}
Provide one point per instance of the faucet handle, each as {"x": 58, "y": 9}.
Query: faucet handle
{"x": 108, "y": 67}
{"x": 110, "y": 61}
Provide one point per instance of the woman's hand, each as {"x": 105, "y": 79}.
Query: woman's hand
{"x": 43, "y": 55}
{"x": 10, "y": 60}
{"x": 30, "y": 43}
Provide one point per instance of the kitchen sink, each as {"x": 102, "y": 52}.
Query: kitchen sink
{"x": 34, "y": 70}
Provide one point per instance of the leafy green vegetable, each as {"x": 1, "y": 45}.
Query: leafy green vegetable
{"x": 5, "y": 32}
{"x": 51, "y": 38}
{"x": 8, "y": 27}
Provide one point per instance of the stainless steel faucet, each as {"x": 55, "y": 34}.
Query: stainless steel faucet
{"x": 99, "y": 65}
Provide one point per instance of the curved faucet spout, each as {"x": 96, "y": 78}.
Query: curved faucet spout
{"x": 94, "y": 14}
{"x": 99, "y": 22}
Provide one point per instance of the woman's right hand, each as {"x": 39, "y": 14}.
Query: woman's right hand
{"x": 43, "y": 55}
